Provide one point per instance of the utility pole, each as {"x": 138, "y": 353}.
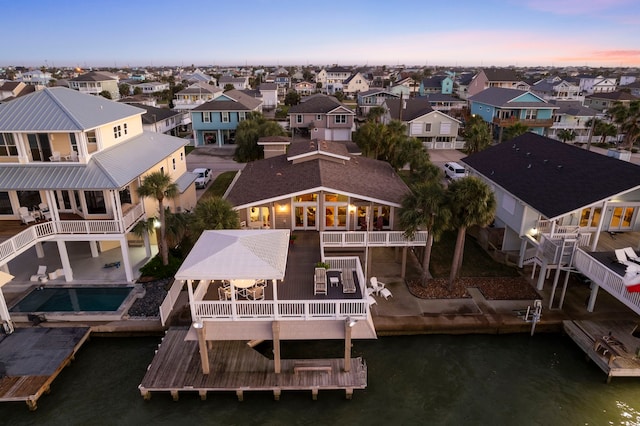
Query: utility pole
{"x": 593, "y": 125}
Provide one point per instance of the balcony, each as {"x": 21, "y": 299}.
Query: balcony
{"x": 506, "y": 122}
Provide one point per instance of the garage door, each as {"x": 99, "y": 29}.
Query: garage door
{"x": 341, "y": 135}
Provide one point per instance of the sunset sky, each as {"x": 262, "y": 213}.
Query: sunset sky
{"x": 287, "y": 32}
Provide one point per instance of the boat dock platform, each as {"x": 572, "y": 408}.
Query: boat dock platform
{"x": 610, "y": 344}
{"x": 236, "y": 367}
{"x": 33, "y": 357}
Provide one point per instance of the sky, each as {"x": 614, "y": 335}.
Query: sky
{"x": 116, "y": 33}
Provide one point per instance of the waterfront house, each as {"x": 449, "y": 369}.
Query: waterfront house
{"x": 70, "y": 166}
{"x": 503, "y": 107}
{"x": 555, "y": 201}
{"x": 435, "y": 129}
{"x": 215, "y": 122}
{"x": 323, "y": 117}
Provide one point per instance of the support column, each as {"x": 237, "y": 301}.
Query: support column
{"x": 275, "y": 327}
{"x": 202, "y": 345}
{"x": 541, "y": 277}
{"x": 64, "y": 259}
{"x": 403, "y": 273}
{"x": 592, "y": 297}
{"x": 147, "y": 244}
{"x": 126, "y": 262}
{"x": 347, "y": 347}
{"x": 39, "y": 250}
{"x": 93, "y": 245}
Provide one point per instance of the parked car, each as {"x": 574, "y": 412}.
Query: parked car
{"x": 204, "y": 176}
{"x": 454, "y": 170}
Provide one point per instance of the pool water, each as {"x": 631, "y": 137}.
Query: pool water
{"x": 73, "y": 299}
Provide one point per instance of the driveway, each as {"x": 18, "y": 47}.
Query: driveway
{"x": 218, "y": 159}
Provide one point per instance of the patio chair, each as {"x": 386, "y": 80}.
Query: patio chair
{"x": 631, "y": 254}
{"x": 25, "y": 216}
{"x": 621, "y": 257}
{"x": 386, "y": 293}
{"x": 55, "y": 156}
{"x": 224, "y": 293}
{"x": 256, "y": 293}
{"x": 44, "y": 211}
{"x": 41, "y": 275}
{"x": 320, "y": 281}
{"x": 376, "y": 285}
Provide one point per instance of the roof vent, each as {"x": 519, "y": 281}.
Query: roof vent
{"x": 559, "y": 167}
{"x": 545, "y": 161}
{"x": 529, "y": 166}
{"x": 517, "y": 149}
{"x": 528, "y": 154}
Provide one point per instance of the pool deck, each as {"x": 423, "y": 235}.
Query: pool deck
{"x": 33, "y": 357}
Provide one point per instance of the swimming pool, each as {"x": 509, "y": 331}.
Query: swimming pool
{"x": 74, "y": 299}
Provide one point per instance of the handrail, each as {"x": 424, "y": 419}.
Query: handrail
{"x": 374, "y": 238}
{"x": 606, "y": 278}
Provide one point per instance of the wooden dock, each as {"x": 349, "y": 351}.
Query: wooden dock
{"x": 34, "y": 357}
{"x": 236, "y": 367}
{"x": 610, "y": 344}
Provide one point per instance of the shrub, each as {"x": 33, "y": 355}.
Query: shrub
{"x": 154, "y": 268}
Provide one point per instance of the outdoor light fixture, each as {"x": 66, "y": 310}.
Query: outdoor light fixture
{"x": 351, "y": 322}
{"x": 198, "y": 325}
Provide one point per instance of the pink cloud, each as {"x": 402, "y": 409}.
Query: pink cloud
{"x": 577, "y": 7}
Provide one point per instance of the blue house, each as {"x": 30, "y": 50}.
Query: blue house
{"x": 437, "y": 84}
{"x": 503, "y": 107}
{"x": 215, "y": 122}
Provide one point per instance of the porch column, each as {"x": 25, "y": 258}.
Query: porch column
{"x": 39, "y": 250}
{"x": 126, "y": 262}
{"x": 592, "y": 297}
{"x": 147, "y": 244}
{"x": 347, "y": 346}
{"x": 596, "y": 237}
{"x": 541, "y": 277}
{"x": 93, "y": 245}
{"x": 64, "y": 259}
{"x": 51, "y": 202}
{"x": 523, "y": 250}
{"x": 275, "y": 328}
{"x": 403, "y": 273}
{"x": 274, "y": 284}
{"x": 202, "y": 345}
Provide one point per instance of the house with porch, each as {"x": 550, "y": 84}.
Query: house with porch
{"x": 605, "y": 100}
{"x": 322, "y": 117}
{"x": 555, "y": 88}
{"x": 495, "y": 77}
{"x": 215, "y": 122}
{"x": 503, "y": 107}
{"x": 95, "y": 82}
{"x": 371, "y": 98}
{"x": 194, "y": 95}
{"x": 436, "y": 84}
{"x": 555, "y": 203}
{"x": 572, "y": 116}
{"x": 355, "y": 84}
{"x": 435, "y": 129}
{"x": 70, "y": 166}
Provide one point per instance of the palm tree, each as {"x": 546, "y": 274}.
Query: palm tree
{"x": 472, "y": 203}
{"x": 514, "y": 131}
{"x": 375, "y": 113}
{"x": 566, "y": 135}
{"x": 249, "y": 131}
{"x": 628, "y": 120}
{"x": 425, "y": 206}
{"x": 477, "y": 135}
{"x": 213, "y": 213}
{"x": 159, "y": 186}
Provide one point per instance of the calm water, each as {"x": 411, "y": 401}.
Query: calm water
{"x": 434, "y": 380}
{"x": 73, "y": 299}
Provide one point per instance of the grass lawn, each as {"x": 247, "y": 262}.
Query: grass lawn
{"x": 220, "y": 185}
{"x": 188, "y": 149}
{"x": 476, "y": 262}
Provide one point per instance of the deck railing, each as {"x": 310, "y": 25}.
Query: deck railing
{"x": 607, "y": 279}
{"x": 368, "y": 239}
{"x": 24, "y": 240}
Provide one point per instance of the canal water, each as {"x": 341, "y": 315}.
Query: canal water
{"x": 413, "y": 380}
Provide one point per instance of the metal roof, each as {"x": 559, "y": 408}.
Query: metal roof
{"x": 112, "y": 168}
{"x": 185, "y": 180}
{"x": 58, "y": 109}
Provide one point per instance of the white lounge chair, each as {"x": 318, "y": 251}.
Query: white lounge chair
{"x": 25, "y": 216}
{"x": 41, "y": 275}
{"x": 621, "y": 257}
{"x": 631, "y": 254}
{"x": 44, "y": 211}
{"x": 320, "y": 281}
{"x": 376, "y": 285}
{"x": 386, "y": 293}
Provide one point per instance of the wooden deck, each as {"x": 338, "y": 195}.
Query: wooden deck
{"x": 610, "y": 344}
{"x": 34, "y": 357}
{"x": 235, "y": 367}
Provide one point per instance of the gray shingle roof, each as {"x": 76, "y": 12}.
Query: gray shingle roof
{"x": 94, "y": 76}
{"x": 502, "y": 97}
{"x": 317, "y": 105}
{"x": 153, "y": 114}
{"x": 58, "y": 109}
{"x": 553, "y": 177}
{"x": 500, "y": 74}
{"x": 277, "y": 178}
{"x": 415, "y": 107}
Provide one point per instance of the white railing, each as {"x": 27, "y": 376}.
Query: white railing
{"x": 170, "y": 300}
{"x": 444, "y": 145}
{"x": 348, "y": 262}
{"x": 375, "y": 238}
{"x": 607, "y": 279}
{"x": 281, "y": 310}
{"x": 17, "y": 244}
{"x": 132, "y": 216}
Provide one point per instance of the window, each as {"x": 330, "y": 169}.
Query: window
{"x": 125, "y": 128}
{"x": 91, "y": 137}
{"x": 182, "y": 156}
{"x": 206, "y": 117}
{"x": 173, "y": 163}
{"x": 299, "y": 118}
{"x": 95, "y": 202}
{"x": 530, "y": 114}
{"x": 5, "y": 203}
{"x": 117, "y": 132}
{"x": 125, "y": 196}
{"x": 340, "y": 119}
{"x": 445, "y": 128}
{"x": 242, "y": 116}
{"x": 225, "y": 116}
{"x": 7, "y": 145}
{"x": 74, "y": 143}
{"x": 427, "y": 127}
{"x": 318, "y": 117}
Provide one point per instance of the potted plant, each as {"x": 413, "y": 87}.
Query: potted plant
{"x": 324, "y": 265}
{"x": 292, "y": 239}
